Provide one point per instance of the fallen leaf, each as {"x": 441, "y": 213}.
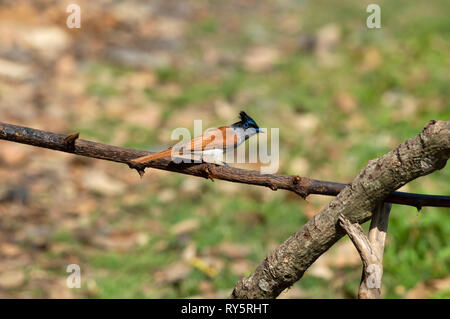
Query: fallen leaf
{"x": 98, "y": 182}
{"x": 167, "y": 195}
{"x": 9, "y": 250}
{"x": 149, "y": 117}
{"x": 233, "y": 250}
{"x": 185, "y": 227}
{"x": 189, "y": 252}
{"x": 346, "y": 102}
{"x": 306, "y": 123}
{"x": 191, "y": 187}
{"x": 12, "y": 279}
{"x": 205, "y": 286}
{"x": 14, "y": 154}
{"x": 345, "y": 255}
{"x": 168, "y": 27}
{"x": 14, "y": 71}
{"x": 260, "y": 59}
{"x": 203, "y": 266}
{"x": 371, "y": 59}
{"x": 173, "y": 273}
{"x": 121, "y": 241}
{"x": 321, "y": 269}
{"x": 241, "y": 267}
{"x": 48, "y": 41}
{"x": 293, "y": 292}
{"x": 328, "y": 37}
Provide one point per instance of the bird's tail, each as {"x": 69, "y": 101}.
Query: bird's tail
{"x": 148, "y": 158}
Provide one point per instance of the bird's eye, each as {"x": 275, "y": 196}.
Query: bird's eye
{"x": 246, "y": 126}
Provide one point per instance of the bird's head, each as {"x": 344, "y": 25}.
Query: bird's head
{"x": 248, "y": 125}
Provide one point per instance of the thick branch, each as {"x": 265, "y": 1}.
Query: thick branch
{"x": 418, "y": 156}
{"x": 299, "y": 185}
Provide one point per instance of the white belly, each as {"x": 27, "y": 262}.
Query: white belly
{"x": 213, "y": 153}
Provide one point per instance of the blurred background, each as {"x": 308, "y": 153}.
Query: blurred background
{"x": 340, "y": 93}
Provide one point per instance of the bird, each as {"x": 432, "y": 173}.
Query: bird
{"x": 211, "y": 145}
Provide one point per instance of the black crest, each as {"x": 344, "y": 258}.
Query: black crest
{"x": 247, "y": 119}
{"x": 243, "y": 116}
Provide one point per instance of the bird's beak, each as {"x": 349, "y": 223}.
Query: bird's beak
{"x": 260, "y": 131}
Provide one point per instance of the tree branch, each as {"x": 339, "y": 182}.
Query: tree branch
{"x": 302, "y": 186}
{"x": 420, "y": 155}
{"x": 370, "y": 249}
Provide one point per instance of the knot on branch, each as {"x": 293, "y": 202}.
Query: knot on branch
{"x": 140, "y": 168}
{"x": 296, "y": 180}
{"x": 69, "y": 141}
{"x": 431, "y": 122}
{"x": 208, "y": 174}
{"x": 301, "y": 191}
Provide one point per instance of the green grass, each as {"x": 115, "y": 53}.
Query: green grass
{"x": 415, "y": 62}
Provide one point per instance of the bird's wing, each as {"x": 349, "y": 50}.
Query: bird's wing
{"x": 219, "y": 138}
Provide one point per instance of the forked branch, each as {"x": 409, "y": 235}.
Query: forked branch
{"x": 370, "y": 249}
{"x": 418, "y": 156}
